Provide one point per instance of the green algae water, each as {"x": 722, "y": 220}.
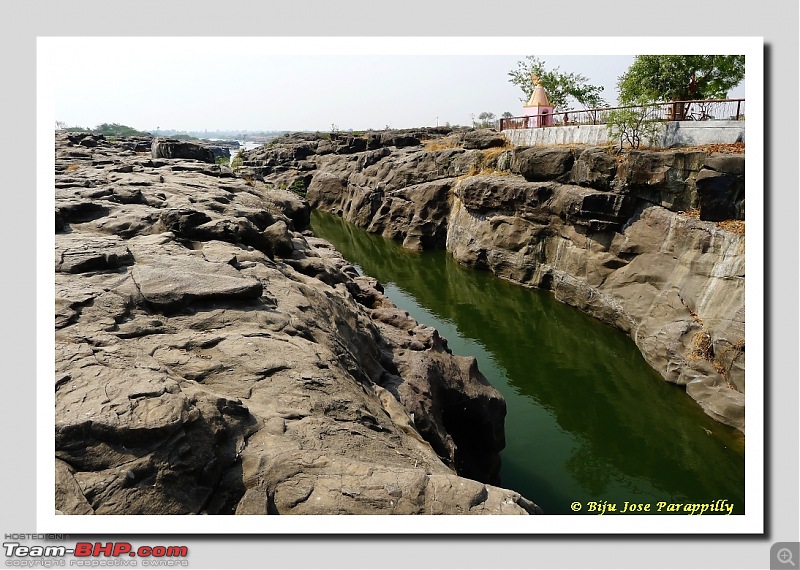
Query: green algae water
{"x": 588, "y": 420}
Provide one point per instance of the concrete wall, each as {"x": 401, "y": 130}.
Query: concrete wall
{"x": 674, "y": 133}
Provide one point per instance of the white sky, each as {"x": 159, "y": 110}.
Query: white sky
{"x": 307, "y": 83}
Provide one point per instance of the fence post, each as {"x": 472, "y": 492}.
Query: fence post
{"x": 738, "y": 106}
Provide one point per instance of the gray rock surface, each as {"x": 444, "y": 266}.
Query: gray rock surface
{"x": 483, "y": 139}
{"x": 210, "y": 358}
{"x": 609, "y": 234}
{"x": 174, "y": 148}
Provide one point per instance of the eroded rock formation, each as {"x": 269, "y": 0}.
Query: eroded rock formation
{"x": 629, "y": 239}
{"x": 214, "y": 357}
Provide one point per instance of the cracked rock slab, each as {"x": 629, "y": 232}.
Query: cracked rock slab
{"x": 169, "y": 282}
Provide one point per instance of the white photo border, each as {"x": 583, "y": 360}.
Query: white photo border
{"x": 50, "y": 52}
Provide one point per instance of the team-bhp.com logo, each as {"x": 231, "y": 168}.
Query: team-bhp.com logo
{"x": 92, "y": 553}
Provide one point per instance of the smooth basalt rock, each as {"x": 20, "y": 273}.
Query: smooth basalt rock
{"x": 211, "y": 358}
{"x": 609, "y": 234}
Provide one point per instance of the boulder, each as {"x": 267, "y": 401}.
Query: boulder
{"x": 398, "y": 139}
{"x": 594, "y": 167}
{"x": 173, "y": 148}
{"x": 543, "y": 164}
{"x": 483, "y": 138}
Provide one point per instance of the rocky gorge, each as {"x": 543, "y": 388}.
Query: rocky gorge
{"x": 648, "y": 241}
{"x": 212, "y": 356}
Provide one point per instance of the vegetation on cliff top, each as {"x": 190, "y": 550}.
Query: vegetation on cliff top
{"x": 680, "y": 77}
{"x": 560, "y": 87}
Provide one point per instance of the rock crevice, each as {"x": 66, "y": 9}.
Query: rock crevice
{"x": 633, "y": 240}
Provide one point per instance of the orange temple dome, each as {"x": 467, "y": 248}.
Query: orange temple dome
{"x": 539, "y": 95}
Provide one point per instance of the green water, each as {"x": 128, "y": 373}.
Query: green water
{"x": 588, "y": 419}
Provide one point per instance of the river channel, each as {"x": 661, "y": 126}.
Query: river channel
{"x": 588, "y": 419}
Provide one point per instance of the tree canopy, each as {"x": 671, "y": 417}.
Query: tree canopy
{"x": 115, "y": 129}
{"x": 486, "y": 119}
{"x": 680, "y": 77}
{"x": 562, "y": 88}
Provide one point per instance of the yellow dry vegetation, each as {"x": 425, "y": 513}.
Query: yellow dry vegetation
{"x": 733, "y": 226}
{"x": 491, "y": 154}
{"x": 452, "y": 141}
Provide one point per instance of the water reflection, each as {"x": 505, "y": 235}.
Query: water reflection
{"x": 587, "y": 419}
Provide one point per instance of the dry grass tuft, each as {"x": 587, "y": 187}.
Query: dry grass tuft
{"x": 702, "y": 348}
{"x": 442, "y": 143}
{"x": 733, "y": 226}
{"x": 694, "y": 213}
{"x": 731, "y": 148}
{"x": 473, "y": 171}
{"x": 490, "y": 154}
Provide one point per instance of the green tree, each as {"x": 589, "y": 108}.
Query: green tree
{"x": 117, "y": 130}
{"x": 632, "y": 125}
{"x": 561, "y": 88}
{"x": 680, "y": 77}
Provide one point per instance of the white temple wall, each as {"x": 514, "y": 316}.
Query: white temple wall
{"x": 673, "y": 134}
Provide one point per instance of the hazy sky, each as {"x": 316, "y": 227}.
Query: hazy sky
{"x": 305, "y": 83}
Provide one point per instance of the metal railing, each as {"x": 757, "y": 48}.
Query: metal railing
{"x": 697, "y": 110}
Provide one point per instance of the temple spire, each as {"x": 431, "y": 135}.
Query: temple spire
{"x": 538, "y": 110}
{"x": 539, "y": 95}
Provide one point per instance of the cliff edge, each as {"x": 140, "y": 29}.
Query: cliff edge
{"x": 651, "y": 242}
